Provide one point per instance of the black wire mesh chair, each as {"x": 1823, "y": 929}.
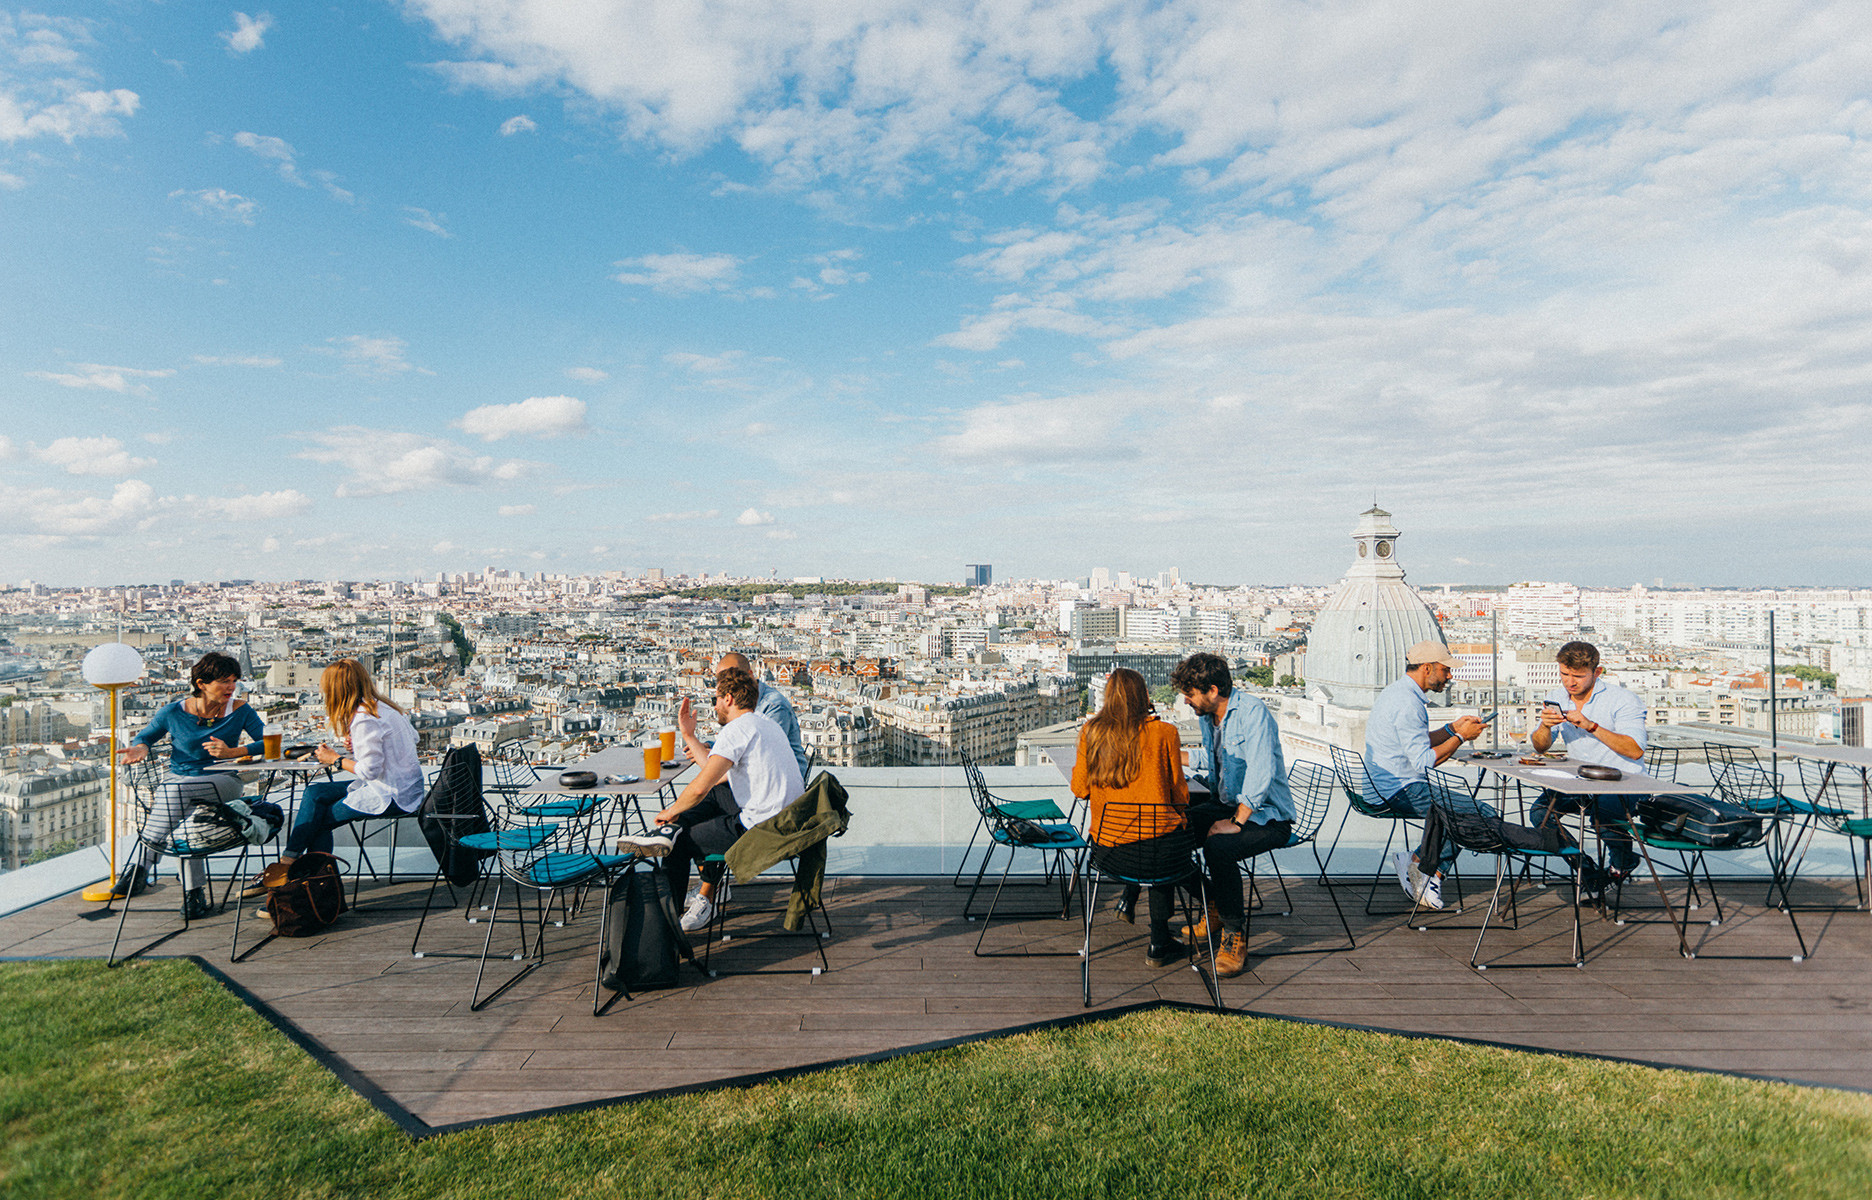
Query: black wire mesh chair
{"x": 1355, "y": 781}
{"x": 1130, "y": 847}
{"x": 1795, "y": 817}
{"x": 1312, "y": 788}
{"x": 1746, "y": 831}
{"x": 820, "y": 814}
{"x": 1057, "y": 842}
{"x": 542, "y": 860}
{"x": 1043, "y": 810}
{"x": 1833, "y": 812}
{"x": 1461, "y": 817}
{"x": 210, "y": 827}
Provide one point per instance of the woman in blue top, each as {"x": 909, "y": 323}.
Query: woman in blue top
{"x": 207, "y": 724}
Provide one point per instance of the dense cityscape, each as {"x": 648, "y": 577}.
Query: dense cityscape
{"x": 883, "y": 673}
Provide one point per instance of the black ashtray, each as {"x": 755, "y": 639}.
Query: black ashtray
{"x": 577, "y": 779}
{"x": 1601, "y": 773}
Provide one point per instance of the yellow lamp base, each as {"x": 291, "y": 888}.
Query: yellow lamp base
{"x": 102, "y": 894}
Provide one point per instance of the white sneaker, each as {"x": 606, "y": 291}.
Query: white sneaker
{"x": 1418, "y": 880}
{"x": 724, "y": 889}
{"x": 654, "y": 844}
{"x": 700, "y": 912}
{"x": 1401, "y": 862}
{"x": 1432, "y": 891}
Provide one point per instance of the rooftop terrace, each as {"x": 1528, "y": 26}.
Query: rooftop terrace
{"x": 904, "y": 976}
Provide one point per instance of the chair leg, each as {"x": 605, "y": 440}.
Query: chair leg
{"x": 1337, "y": 834}
{"x": 1089, "y": 906}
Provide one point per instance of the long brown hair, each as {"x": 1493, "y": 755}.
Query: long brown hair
{"x": 1113, "y": 748}
{"x": 348, "y": 686}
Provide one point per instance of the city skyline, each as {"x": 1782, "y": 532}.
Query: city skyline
{"x": 378, "y": 291}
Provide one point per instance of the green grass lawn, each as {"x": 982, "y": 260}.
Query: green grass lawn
{"x": 151, "y": 1081}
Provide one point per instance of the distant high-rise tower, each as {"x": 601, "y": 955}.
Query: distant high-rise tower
{"x": 979, "y": 574}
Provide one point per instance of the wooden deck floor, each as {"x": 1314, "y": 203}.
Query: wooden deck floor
{"x": 904, "y": 974}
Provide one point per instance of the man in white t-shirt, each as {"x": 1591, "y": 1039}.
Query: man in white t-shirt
{"x": 753, "y": 756}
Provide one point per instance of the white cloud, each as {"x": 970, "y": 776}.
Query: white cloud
{"x": 237, "y": 360}
{"x": 586, "y": 374}
{"x": 11, "y": 182}
{"x": 426, "y": 221}
{"x": 274, "y": 150}
{"x": 517, "y": 510}
{"x": 382, "y": 462}
{"x": 259, "y": 506}
{"x": 133, "y": 506}
{"x": 754, "y": 516}
{"x": 91, "y": 456}
{"x": 248, "y": 34}
{"x": 218, "y": 202}
{"x": 103, "y": 378}
{"x": 329, "y": 182}
{"x": 679, "y": 274}
{"x": 378, "y": 355}
{"x": 6, "y": 447}
{"x": 46, "y": 85}
{"x": 537, "y": 416}
{"x": 518, "y": 124}
{"x": 756, "y": 429}
{"x": 270, "y": 545}
{"x": 704, "y": 364}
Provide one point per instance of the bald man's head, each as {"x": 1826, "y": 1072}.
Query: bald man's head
{"x": 734, "y": 661}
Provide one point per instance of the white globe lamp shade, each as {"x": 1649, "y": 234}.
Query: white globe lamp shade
{"x": 113, "y": 664}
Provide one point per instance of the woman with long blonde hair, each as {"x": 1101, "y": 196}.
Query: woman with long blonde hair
{"x": 382, "y": 759}
{"x": 1130, "y": 765}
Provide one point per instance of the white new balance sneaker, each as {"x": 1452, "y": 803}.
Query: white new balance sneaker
{"x": 1401, "y": 862}
{"x": 700, "y": 912}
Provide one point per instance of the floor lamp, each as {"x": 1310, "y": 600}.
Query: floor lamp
{"x": 112, "y": 666}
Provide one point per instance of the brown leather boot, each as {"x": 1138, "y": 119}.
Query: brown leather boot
{"x": 1231, "y": 957}
{"x": 1199, "y": 932}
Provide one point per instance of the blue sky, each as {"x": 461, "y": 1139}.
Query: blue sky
{"x": 376, "y": 289}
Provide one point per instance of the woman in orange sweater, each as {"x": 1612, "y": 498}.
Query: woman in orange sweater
{"x": 1131, "y": 766}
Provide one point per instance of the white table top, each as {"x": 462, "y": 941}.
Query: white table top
{"x": 1563, "y": 776}
{"x": 296, "y": 766}
{"x": 1852, "y": 756}
{"x": 613, "y": 760}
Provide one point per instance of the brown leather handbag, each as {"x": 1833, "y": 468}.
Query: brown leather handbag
{"x": 309, "y": 895}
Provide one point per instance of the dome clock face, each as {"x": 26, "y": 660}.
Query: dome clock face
{"x": 1384, "y": 549}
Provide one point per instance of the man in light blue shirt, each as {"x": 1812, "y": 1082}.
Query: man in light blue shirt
{"x": 773, "y": 705}
{"x": 1597, "y": 722}
{"x": 1251, "y": 811}
{"x": 1400, "y": 750}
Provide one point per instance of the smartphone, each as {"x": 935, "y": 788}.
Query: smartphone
{"x": 1550, "y": 704}
{"x": 1491, "y": 716}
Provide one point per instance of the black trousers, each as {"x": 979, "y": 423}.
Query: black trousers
{"x": 1225, "y": 853}
{"x": 1153, "y": 858}
{"x": 711, "y": 827}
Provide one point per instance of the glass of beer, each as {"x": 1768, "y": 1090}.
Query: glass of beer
{"x": 668, "y": 734}
{"x": 270, "y": 739}
{"x": 653, "y": 759}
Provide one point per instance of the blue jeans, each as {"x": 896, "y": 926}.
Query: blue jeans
{"x": 1414, "y": 801}
{"x": 321, "y": 810}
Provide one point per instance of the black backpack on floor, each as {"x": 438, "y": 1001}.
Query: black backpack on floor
{"x": 644, "y": 942}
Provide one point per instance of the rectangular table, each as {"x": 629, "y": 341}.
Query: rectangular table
{"x": 613, "y": 760}
{"x": 1562, "y": 775}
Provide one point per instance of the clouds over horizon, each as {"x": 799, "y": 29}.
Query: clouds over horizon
{"x": 383, "y": 462}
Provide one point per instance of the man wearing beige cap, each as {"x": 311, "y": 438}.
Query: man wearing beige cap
{"x": 1401, "y": 748}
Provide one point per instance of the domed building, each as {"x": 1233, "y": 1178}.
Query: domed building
{"x": 1358, "y": 641}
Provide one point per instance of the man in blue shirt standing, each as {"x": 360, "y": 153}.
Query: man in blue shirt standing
{"x": 1401, "y": 748}
{"x": 1597, "y": 722}
{"x": 1251, "y": 811}
{"x": 773, "y": 705}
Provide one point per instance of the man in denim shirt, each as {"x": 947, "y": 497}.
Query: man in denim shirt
{"x": 1251, "y": 810}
